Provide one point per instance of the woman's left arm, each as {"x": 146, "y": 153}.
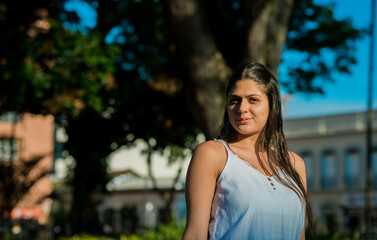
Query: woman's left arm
{"x": 299, "y": 166}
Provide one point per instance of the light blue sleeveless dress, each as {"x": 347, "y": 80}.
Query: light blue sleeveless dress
{"x": 250, "y": 205}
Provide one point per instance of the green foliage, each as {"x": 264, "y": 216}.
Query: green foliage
{"x": 325, "y": 44}
{"x": 46, "y": 68}
{"x": 319, "y": 231}
{"x": 51, "y": 69}
{"x": 149, "y": 70}
{"x": 335, "y": 236}
{"x": 63, "y": 72}
{"x": 173, "y": 232}
{"x": 170, "y": 231}
{"x": 87, "y": 237}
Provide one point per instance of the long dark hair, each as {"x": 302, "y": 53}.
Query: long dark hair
{"x": 272, "y": 139}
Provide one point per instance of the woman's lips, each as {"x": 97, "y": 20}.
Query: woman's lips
{"x": 243, "y": 120}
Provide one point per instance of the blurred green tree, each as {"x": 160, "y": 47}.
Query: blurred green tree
{"x": 195, "y": 44}
{"x": 71, "y": 74}
{"x": 48, "y": 69}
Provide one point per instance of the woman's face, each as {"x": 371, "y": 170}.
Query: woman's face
{"x": 248, "y": 107}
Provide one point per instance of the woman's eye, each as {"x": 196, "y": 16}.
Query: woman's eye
{"x": 253, "y": 100}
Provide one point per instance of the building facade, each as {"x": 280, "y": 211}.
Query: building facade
{"x": 134, "y": 201}
{"x": 334, "y": 149}
{"x": 26, "y": 157}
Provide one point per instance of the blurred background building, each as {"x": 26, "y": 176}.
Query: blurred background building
{"x": 334, "y": 150}
{"x": 26, "y": 160}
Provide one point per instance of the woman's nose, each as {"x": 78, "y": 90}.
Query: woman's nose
{"x": 243, "y": 106}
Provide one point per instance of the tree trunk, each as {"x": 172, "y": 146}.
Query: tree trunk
{"x": 204, "y": 68}
{"x": 90, "y": 176}
{"x": 268, "y": 33}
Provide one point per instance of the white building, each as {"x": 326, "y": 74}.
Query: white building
{"x": 133, "y": 191}
{"x": 335, "y": 152}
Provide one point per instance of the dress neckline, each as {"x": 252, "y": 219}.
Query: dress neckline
{"x": 243, "y": 160}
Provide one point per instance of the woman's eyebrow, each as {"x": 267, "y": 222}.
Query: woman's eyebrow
{"x": 253, "y": 95}
{"x": 250, "y": 95}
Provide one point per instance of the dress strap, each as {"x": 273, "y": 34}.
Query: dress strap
{"x": 225, "y": 144}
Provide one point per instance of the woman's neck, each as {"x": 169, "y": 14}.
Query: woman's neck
{"x": 252, "y": 143}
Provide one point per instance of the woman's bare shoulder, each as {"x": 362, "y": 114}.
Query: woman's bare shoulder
{"x": 210, "y": 153}
{"x": 295, "y": 158}
{"x": 297, "y": 162}
{"x": 210, "y": 147}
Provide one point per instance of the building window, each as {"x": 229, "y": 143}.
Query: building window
{"x": 9, "y": 117}
{"x": 352, "y": 169}
{"x": 328, "y": 169}
{"x": 309, "y": 166}
{"x": 8, "y": 149}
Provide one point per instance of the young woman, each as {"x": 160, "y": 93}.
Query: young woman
{"x": 247, "y": 185}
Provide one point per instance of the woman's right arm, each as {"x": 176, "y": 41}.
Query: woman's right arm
{"x": 206, "y": 165}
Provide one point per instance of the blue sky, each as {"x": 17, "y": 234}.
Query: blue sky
{"x": 349, "y": 92}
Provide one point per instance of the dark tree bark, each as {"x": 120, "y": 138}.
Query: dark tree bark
{"x": 205, "y": 69}
{"x": 268, "y": 33}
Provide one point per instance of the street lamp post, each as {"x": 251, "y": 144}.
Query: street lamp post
{"x": 368, "y": 192}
